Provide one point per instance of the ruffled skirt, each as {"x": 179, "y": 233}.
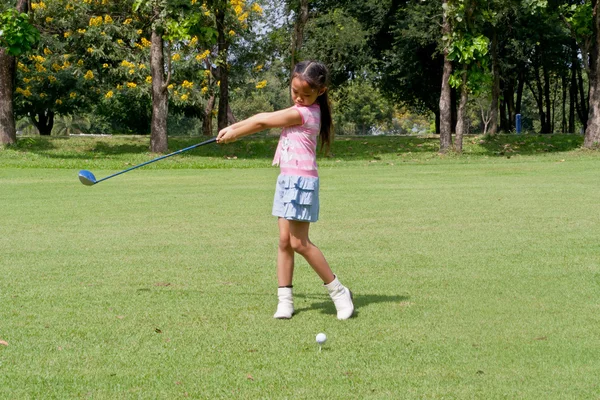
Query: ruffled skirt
{"x": 296, "y": 198}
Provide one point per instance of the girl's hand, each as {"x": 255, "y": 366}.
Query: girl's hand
{"x": 226, "y": 135}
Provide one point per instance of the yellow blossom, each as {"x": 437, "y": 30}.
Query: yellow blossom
{"x": 127, "y": 64}
{"x": 261, "y": 84}
{"x": 231, "y": 33}
{"x": 22, "y": 67}
{"x": 89, "y": 75}
{"x": 187, "y": 85}
{"x": 56, "y": 67}
{"x": 131, "y": 85}
{"x": 26, "y": 80}
{"x": 72, "y": 95}
{"x": 49, "y": 19}
{"x": 96, "y": 21}
{"x": 105, "y": 65}
{"x": 82, "y": 31}
{"x": 139, "y": 31}
{"x": 257, "y": 8}
{"x": 184, "y": 97}
{"x": 43, "y": 95}
{"x": 176, "y": 57}
{"x": 90, "y": 50}
{"x": 170, "y": 87}
{"x": 131, "y": 71}
{"x": 80, "y": 63}
{"x": 52, "y": 79}
{"x": 202, "y": 56}
{"x": 40, "y": 68}
{"x": 58, "y": 101}
{"x": 67, "y": 34}
{"x": 127, "y": 21}
{"x": 148, "y": 79}
{"x": 146, "y": 42}
{"x": 109, "y": 94}
{"x": 108, "y": 19}
{"x": 204, "y": 90}
{"x": 120, "y": 41}
{"x": 38, "y": 6}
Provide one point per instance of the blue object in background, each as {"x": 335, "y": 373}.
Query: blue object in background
{"x": 518, "y": 124}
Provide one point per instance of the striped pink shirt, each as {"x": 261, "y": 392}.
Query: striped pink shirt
{"x": 297, "y": 149}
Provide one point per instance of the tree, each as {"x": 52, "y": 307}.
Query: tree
{"x": 592, "y": 132}
{"x": 445, "y": 96}
{"x": 17, "y": 36}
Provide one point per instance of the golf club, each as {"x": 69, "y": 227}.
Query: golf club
{"x": 88, "y": 179}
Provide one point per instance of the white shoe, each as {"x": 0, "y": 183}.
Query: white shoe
{"x": 342, "y": 298}
{"x": 285, "y": 308}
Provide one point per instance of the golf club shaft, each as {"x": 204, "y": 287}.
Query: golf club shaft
{"x": 159, "y": 158}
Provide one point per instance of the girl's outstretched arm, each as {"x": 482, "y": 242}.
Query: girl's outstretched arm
{"x": 260, "y": 122}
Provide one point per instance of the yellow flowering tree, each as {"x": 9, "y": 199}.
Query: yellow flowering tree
{"x": 16, "y": 36}
{"x": 79, "y": 57}
{"x": 232, "y": 17}
{"x": 175, "y": 25}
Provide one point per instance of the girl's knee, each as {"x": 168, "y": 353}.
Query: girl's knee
{"x": 285, "y": 243}
{"x": 300, "y": 246}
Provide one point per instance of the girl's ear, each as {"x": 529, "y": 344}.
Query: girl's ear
{"x": 323, "y": 90}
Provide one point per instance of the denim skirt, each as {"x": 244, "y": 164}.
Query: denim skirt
{"x": 296, "y": 198}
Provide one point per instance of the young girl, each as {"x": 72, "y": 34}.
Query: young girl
{"x": 296, "y": 202}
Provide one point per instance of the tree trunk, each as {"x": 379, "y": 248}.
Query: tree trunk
{"x": 520, "y": 87}
{"x": 298, "y": 35}
{"x": 565, "y": 85}
{"x": 461, "y": 123}
{"x": 583, "y": 105}
{"x": 592, "y": 132}
{"x": 547, "y": 100}
{"x": 495, "y": 85}
{"x": 160, "y": 96}
{"x": 573, "y": 93}
{"x": 446, "y": 93}
{"x": 222, "y": 70}
{"x": 208, "y": 117}
{"x": 44, "y": 122}
{"x": 8, "y": 132}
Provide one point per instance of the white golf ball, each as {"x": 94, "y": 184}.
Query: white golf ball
{"x": 321, "y": 338}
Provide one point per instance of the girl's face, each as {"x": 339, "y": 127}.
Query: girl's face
{"x": 303, "y": 94}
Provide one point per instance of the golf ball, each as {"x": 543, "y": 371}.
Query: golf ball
{"x": 321, "y": 338}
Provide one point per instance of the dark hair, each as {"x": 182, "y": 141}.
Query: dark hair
{"x": 317, "y": 76}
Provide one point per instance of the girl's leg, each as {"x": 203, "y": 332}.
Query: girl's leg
{"x": 301, "y": 244}
{"x": 285, "y": 255}
{"x": 341, "y": 295}
{"x": 285, "y": 272}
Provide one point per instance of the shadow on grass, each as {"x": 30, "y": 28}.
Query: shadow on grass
{"x": 529, "y": 144}
{"x": 360, "y": 301}
{"x": 262, "y": 146}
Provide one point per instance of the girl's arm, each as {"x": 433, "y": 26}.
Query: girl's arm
{"x": 260, "y": 122}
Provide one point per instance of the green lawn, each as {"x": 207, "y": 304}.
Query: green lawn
{"x": 475, "y": 277}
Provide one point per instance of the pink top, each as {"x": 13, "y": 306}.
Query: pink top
{"x": 297, "y": 149}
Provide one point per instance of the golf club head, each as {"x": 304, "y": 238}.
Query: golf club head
{"x": 87, "y": 178}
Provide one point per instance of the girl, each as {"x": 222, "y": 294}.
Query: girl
{"x": 296, "y": 202}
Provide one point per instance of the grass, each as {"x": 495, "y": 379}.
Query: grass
{"x": 474, "y": 276}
